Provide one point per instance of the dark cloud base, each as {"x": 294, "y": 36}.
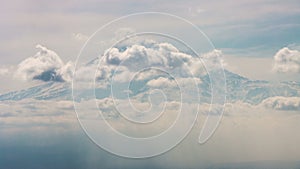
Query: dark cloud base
{"x": 49, "y": 75}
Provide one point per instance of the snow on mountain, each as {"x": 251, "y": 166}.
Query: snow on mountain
{"x": 238, "y": 89}
{"x": 46, "y": 91}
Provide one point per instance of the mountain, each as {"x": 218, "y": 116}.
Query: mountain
{"x": 46, "y": 91}
{"x": 254, "y": 91}
{"x": 238, "y": 88}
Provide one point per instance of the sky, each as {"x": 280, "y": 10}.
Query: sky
{"x": 41, "y": 40}
{"x": 241, "y": 29}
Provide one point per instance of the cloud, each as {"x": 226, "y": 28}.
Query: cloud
{"x": 282, "y": 103}
{"x": 31, "y": 113}
{"x": 147, "y": 64}
{"x": 213, "y": 59}
{"x": 7, "y": 70}
{"x": 4, "y": 71}
{"x": 287, "y": 61}
{"x": 148, "y": 74}
{"x": 162, "y": 82}
{"x": 143, "y": 61}
{"x": 80, "y": 37}
{"x": 142, "y": 55}
{"x": 164, "y": 56}
{"x": 46, "y": 65}
{"x": 67, "y": 71}
{"x": 255, "y": 134}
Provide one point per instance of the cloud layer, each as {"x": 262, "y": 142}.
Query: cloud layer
{"x": 246, "y": 133}
{"x": 46, "y": 65}
{"x": 282, "y": 103}
{"x": 287, "y": 61}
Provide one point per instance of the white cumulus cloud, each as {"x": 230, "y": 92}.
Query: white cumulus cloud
{"x": 45, "y": 65}
{"x": 162, "y": 82}
{"x": 213, "y": 59}
{"x": 282, "y": 103}
{"x": 156, "y": 54}
{"x": 165, "y": 56}
{"x": 149, "y": 61}
{"x": 286, "y": 61}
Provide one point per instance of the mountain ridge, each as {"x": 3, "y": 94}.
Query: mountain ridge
{"x": 238, "y": 88}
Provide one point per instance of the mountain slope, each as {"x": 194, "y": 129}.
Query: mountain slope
{"x": 46, "y": 91}
{"x": 238, "y": 88}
